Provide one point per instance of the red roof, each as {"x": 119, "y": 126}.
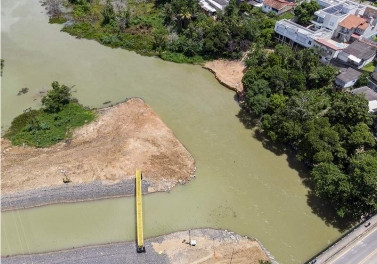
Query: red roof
{"x": 327, "y": 44}
{"x": 278, "y": 4}
{"x": 352, "y": 21}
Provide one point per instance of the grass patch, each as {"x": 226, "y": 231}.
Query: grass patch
{"x": 57, "y": 20}
{"x": 42, "y": 129}
{"x": 287, "y": 15}
{"x": 369, "y": 67}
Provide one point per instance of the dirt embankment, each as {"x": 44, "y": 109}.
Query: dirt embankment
{"x": 123, "y": 138}
{"x": 212, "y": 246}
{"x": 228, "y": 73}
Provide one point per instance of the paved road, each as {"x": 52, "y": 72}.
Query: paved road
{"x": 363, "y": 252}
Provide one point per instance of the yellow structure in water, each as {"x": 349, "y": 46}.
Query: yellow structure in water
{"x": 139, "y": 214}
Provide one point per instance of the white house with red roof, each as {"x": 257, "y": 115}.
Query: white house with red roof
{"x": 328, "y": 48}
{"x": 277, "y": 6}
{"x": 352, "y": 28}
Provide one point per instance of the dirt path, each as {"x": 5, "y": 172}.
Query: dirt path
{"x": 228, "y": 73}
{"x": 124, "y": 137}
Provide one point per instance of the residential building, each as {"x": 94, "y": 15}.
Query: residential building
{"x": 359, "y": 53}
{"x": 277, "y": 6}
{"x": 347, "y": 78}
{"x": 326, "y": 3}
{"x": 329, "y": 49}
{"x": 331, "y": 16}
{"x": 351, "y": 28}
{"x": 369, "y": 95}
{"x": 213, "y": 6}
{"x": 294, "y": 34}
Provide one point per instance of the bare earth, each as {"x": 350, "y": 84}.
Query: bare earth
{"x": 211, "y": 247}
{"x": 228, "y": 73}
{"x": 123, "y": 138}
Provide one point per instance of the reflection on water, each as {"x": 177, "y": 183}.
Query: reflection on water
{"x": 240, "y": 185}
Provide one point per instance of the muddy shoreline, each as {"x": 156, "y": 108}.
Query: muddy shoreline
{"x": 211, "y": 243}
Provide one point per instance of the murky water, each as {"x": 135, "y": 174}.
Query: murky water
{"x": 240, "y": 185}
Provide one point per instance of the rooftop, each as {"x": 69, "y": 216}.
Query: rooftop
{"x": 348, "y": 75}
{"x": 370, "y": 12}
{"x": 361, "y": 49}
{"x": 368, "y": 93}
{"x": 321, "y": 33}
{"x": 278, "y": 4}
{"x": 339, "y": 10}
{"x": 352, "y": 21}
{"x": 331, "y": 44}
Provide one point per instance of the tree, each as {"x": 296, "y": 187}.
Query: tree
{"x": 363, "y": 169}
{"x": 257, "y": 96}
{"x": 320, "y": 142}
{"x": 333, "y": 186}
{"x": 361, "y": 137}
{"x": 305, "y": 12}
{"x": 349, "y": 110}
{"x": 363, "y": 80}
{"x": 57, "y": 98}
{"x": 321, "y": 76}
{"x": 108, "y": 13}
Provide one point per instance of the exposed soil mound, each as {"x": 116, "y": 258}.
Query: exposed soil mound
{"x": 124, "y": 137}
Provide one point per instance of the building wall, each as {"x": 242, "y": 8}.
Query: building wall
{"x": 294, "y": 35}
{"x": 345, "y": 85}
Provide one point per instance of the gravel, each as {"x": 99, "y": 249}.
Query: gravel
{"x": 69, "y": 193}
{"x": 122, "y": 253}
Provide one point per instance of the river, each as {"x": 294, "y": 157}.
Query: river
{"x": 240, "y": 185}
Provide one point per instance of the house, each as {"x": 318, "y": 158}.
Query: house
{"x": 328, "y": 48}
{"x": 370, "y": 14}
{"x": 277, "y": 6}
{"x": 326, "y": 3}
{"x": 370, "y": 95}
{"x": 351, "y": 28}
{"x": 213, "y": 6}
{"x": 359, "y": 53}
{"x": 331, "y": 16}
{"x": 294, "y": 34}
{"x": 347, "y": 78}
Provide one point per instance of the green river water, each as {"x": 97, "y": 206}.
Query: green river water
{"x": 240, "y": 185}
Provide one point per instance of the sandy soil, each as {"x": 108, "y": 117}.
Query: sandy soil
{"x": 124, "y": 137}
{"x": 211, "y": 247}
{"x": 228, "y": 73}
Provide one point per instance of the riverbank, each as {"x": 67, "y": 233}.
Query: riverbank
{"x": 228, "y": 73}
{"x": 212, "y": 246}
{"x": 102, "y": 153}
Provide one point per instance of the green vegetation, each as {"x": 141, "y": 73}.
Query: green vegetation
{"x": 363, "y": 80}
{"x": 177, "y": 30}
{"x": 57, "y": 20}
{"x": 305, "y": 12}
{"x": 293, "y": 96}
{"x": 53, "y": 123}
{"x": 369, "y": 67}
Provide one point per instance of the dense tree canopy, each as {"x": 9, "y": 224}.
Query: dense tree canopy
{"x": 305, "y": 11}
{"x": 291, "y": 93}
